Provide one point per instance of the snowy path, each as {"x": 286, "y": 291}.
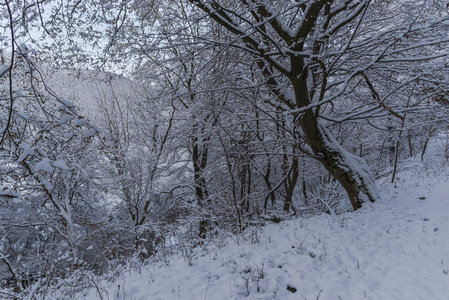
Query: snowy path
{"x": 395, "y": 249}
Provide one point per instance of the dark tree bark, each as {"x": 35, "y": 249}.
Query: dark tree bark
{"x": 350, "y": 171}
{"x": 290, "y": 184}
{"x": 271, "y": 193}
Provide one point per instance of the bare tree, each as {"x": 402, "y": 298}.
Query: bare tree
{"x": 310, "y": 52}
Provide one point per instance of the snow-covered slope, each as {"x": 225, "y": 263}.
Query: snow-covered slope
{"x": 397, "y": 248}
{"x": 88, "y": 89}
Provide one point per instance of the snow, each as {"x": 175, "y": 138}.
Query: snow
{"x": 66, "y": 103}
{"x": 23, "y": 48}
{"x": 80, "y": 122}
{"x": 66, "y": 118}
{"x": 3, "y": 69}
{"x": 89, "y": 133}
{"x": 9, "y": 192}
{"x": 61, "y": 165}
{"x": 27, "y": 150}
{"x": 90, "y": 87}
{"x": 43, "y": 165}
{"x": 362, "y": 172}
{"x": 47, "y": 184}
{"x": 395, "y": 248}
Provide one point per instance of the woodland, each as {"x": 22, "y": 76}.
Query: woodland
{"x": 133, "y": 129}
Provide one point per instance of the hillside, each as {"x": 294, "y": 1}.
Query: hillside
{"x": 397, "y": 248}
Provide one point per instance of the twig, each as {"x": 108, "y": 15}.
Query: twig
{"x": 207, "y": 287}
{"x": 377, "y": 97}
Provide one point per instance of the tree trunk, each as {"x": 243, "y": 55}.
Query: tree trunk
{"x": 351, "y": 171}
{"x": 290, "y": 184}
{"x": 199, "y": 160}
{"x": 271, "y": 194}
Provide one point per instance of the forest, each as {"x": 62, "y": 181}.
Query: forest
{"x": 131, "y": 130}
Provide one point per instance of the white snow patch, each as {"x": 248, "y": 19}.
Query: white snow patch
{"x": 44, "y": 165}
{"x": 89, "y": 132}
{"x": 80, "y": 122}
{"x": 3, "y": 69}
{"x": 61, "y": 165}
{"x": 66, "y": 118}
{"x": 27, "y": 150}
{"x": 66, "y": 103}
{"x": 23, "y": 48}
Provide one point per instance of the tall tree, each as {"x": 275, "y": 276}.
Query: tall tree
{"x": 310, "y": 52}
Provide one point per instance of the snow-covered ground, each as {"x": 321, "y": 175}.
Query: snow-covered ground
{"x": 397, "y": 248}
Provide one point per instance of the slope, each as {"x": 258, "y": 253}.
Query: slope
{"x": 397, "y": 248}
